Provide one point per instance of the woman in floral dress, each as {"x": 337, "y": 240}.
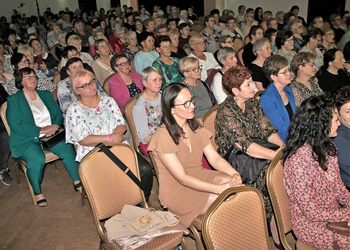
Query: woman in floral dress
{"x": 316, "y": 193}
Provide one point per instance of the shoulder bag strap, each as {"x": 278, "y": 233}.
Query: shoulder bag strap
{"x": 120, "y": 164}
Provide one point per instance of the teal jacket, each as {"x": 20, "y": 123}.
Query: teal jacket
{"x": 21, "y": 121}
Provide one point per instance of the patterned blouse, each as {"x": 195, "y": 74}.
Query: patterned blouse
{"x": 232, "y": 125}
{"x": 82, "y": 121}
{"x": 44, "y": 83}
{"x": 301, "y": 92}
{"x": 315, "y": 199}
{"x": 133, "y": 89}
{"x": 131, "y": 54}
{"x": 170, "y": 73}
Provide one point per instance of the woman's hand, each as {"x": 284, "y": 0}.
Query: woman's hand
{"x": 118, "y": 137}
{"x": 236, "y": 181}
{"x": 49, "y": 130}
{"x": 42, "y": 66}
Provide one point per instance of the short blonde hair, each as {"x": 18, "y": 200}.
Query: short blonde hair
{"x": 77, "y": 78}
{"x": 194, "y": 38}
{"x": 187, "y": 63}
{"x": 73, "y": 38}
{"x": 24, "y": 48}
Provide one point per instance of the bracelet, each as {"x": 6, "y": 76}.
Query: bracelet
{"x": 110, "y": 138}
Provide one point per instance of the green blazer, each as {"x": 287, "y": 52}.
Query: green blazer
{"x": 21, "y": 121}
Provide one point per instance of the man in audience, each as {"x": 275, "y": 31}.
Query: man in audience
{"x": 171, "y": 24}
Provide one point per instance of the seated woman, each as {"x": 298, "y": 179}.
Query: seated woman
{"x": 206, "y": 59}
{"x": 313, "y": 40}
{"x": 248, "y": 56}
{"x": 123, "y": 84}
{"x": 165, "y": 63}
{"x": 95, "y": 119}
{"x": 176, "y": 50}
{"x": 226, "y": 56}
{"x": 331, "y": 75}
{"x": 262, "y": 48}
{"x": 102, "y": 64}
{"x": 285, "y": 44}
{"x": 305, "y": 83}
{"x": 31, "y": 114}
{"x": 311, "y": 177}
{"x": 20, "y": 61}
{"x": 185, "y": 188}
{"x": 147, "y": 111}
{"x": 342, "y": 141}
{"x": 133, "y": 47}
{"x": 191, "y": 70}
{"x": 42, "y": 56}
{"x": 239, "y": 121}
{"x": 277, "y": 100}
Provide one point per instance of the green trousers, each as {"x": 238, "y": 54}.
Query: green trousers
{"x": 35, "y": 159}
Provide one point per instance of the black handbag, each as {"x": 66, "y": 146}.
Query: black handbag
{"x": 57, "y": 137}
{"x": 248, "y": 167}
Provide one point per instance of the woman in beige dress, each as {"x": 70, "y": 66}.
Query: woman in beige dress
{"x": 102, "y": 65}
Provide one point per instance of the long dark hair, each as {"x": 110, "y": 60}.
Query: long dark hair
{"x": 311, "y": 124}
{"x": 169, "y": 95}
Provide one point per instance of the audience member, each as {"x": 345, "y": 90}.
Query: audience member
{"x": 305, "y": 83}
{"x": 311, "y": 175}
{"x": 327, "y": 40}
{"x": 255, "y": 33}
{"x": 102, "y": 64}
{"x": 335, "y": 21}
{"x": 313, "y": 40}
{"x": 185, "y": 188}
{"x": 285, "y": 44}
{"x": 133, "y": 47}
{"x": 209, "y": 34}
{"x": 176, "y": 50}
{"x": 147, "y": 55}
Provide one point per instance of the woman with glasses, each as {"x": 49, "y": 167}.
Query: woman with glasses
{"x": 285, "y": 44}
{"x": 123, "y": 84}
{"x": 102, "y": 64}
{"x": 95, "y": 119}
{"x": 20, "y": 61}
{"x": 165, "y": 63}
{"x": 147, "y": 110}
{"x": 242, "y": 128}
{"x": 313, "y": 40}
{"x": 185, "y": 188}
{"x": 327, "y": 40}
{"x": 305, "y": 83}
{"x": 277, "y": 100}
{"x": 191, "y": 70}
{"x": 32, "y": 114}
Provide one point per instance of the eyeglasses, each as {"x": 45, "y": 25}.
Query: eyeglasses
{"x": 103, "y": 46}
{"x": 188, "y": 103}
{"x": 196, "y": 69}
{"x": 73, "y": 55}
{"x": 30, "y": 76}
{"x": 23, "y": 62}
{"x": 123, "y": 63}
{"x": 284, "y": 72}
{"x": 230, "y": 41}
{"x": 87, "y": 85}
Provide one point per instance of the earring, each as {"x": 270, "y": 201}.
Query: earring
{"x": 236, "y": 98}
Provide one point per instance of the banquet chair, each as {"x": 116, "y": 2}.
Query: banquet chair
{"x": 106, "y": 85}
{"x": 108, "y": 189}
{"x": 236, "y": 220}
{"x": 208, "y": 122}
{"x": 280, "y": 203}
{"x": 49, "y": 156}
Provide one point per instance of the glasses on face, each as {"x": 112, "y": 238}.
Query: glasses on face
{"x": 196, "y": 69}
{"x": 188, "y": 103}
{"x": 123, "y": 63}
{"x": 229, "y": 41}
{"x": 23, "y": 62}
{"x": 87, "y": 85}
{"x": 30, "y": 76}
{"x": 284, "y": 72}
{"x": 75, "y": 54}
{"x": 103, "y": 46}
{"x": 330, "y": 34}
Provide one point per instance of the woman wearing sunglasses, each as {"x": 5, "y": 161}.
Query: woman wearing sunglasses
{"x": 191, "y": 70}
{"x": 185, "y": 188}
{"x": 123, "y": 84}
{"x": 31, "y": 114}
{"x": 95, "y": 119}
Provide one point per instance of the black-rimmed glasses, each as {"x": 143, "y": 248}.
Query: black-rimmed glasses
{"x": 188, "y": 103}
{"x": 87, "y": 85}
{"x": 196, "y": 69}
{"x": 123, "y": 63}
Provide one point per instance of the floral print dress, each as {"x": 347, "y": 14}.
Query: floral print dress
{"x": 82, "y": 121}
{"x": 315, "y": 199}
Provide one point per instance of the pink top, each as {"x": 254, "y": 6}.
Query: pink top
{"x": 315, "y": 200}
{"x": 119, "y": 91}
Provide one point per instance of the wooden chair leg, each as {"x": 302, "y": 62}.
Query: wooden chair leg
{"x": 24, "y": 168}
{"x": 197, "y": 237}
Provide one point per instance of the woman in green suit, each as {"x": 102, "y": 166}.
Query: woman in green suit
{"x": 32, "y": 114}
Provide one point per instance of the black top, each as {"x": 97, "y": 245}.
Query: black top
{"x": 3, "y": 99}
{"x": 289, "y": 110}
{"x": 329, "y": 82}
{"x": 258, "y": 75}
{"x": 248, "y": 55}
{"x": 338, "y": 34}
{"x": 179, "y": 54}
